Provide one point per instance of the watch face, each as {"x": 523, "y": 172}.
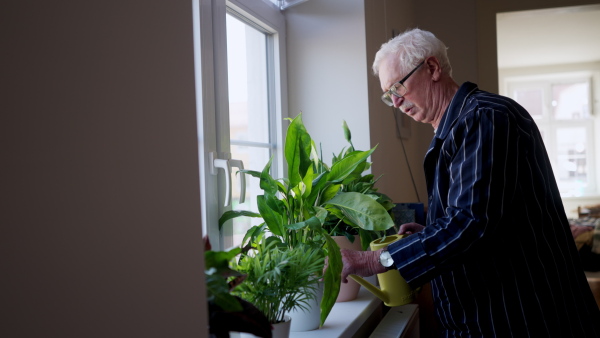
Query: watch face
{"x": 386, "y": 259}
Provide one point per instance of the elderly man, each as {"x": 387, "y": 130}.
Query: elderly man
{"x": 497, "y": 247}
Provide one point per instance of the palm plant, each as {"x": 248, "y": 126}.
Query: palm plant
{"x": 278, "y": 279}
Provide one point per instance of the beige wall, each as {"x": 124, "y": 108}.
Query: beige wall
{"x": 100, "y": 230}
{"x": 459, "y": 35}
{"x": 389, "y": 159}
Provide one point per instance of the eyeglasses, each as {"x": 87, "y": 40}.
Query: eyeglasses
{"x": 398, "y": 89}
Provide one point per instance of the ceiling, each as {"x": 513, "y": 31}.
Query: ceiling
{"x": 548, "y": 36}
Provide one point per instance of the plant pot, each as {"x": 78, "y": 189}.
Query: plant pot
{"x": 311, "y": 318}
{"x": 348, "y": 291}
{"x": 282, "y": 330}
{"x": 279, "y": 330}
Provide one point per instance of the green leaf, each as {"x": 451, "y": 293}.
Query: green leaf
{"x": 276, "y": 240}
{"x": 314, "y": 222}
{"x": 298, "y": 225}
{"x": 357, "y": 172}
{"x": 254, "y": 233}
{"x": 321, "y": 214}
{"x": 319, "y": 185}
{"x": 347, "y": 133}
{"x": 308, "y": 181}
{"x": 363, "y": 211}
{"x": 219, "y": 259}
{"x": 252, "y": 173}
{"x": 343, "y": 168}
{"x": 366, "y": 237}
{"x": 332, "y": 278}
{"x": 330, "y": 192}
{"x": 230, "y": 214}
{"x": 218, "y": 292}
{"x": 273, "y": 218}
{"x": 297, "y": 151}
{"x": 267, "y": 183}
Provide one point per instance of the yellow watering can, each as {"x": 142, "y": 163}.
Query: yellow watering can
{"x": 394, "y": 289}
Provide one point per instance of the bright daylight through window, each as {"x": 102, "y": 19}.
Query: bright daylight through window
{"x": 561, "y": 109}
{"x": 249, "y": 107}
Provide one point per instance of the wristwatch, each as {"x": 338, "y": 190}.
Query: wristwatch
{"x": 385, "y": 259}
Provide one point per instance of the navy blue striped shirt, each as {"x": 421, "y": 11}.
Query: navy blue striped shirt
{"x": 497, "y": 246}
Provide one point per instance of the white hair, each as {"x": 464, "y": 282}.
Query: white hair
{"x": 412, "y": 47}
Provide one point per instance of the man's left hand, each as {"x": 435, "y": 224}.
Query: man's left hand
{"x": 361, "y": 263}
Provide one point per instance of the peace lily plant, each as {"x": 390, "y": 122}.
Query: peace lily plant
{"x": 339, "y": 222}
{"x": 295, "y": 209}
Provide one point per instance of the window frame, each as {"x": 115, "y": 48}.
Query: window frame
{"x": 210, "y": 49}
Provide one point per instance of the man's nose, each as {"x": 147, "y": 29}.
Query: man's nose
{"x": 397, "y": 100}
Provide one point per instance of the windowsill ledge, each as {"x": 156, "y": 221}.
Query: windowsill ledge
{"x": 346, "y": 318}
{"x": 364, "y": 316}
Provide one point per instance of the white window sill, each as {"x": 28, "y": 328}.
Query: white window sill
{"x": 345, "y": 318}
{"x": 354, "y": 318}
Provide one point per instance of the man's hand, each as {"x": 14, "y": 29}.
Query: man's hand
{"x": 410, "y": 228}
{"x": 362, "y": 263}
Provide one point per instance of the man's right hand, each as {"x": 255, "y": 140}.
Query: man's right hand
{"x": 410, "y": 228}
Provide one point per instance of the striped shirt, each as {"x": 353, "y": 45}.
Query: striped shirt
{"x": 497, "y": 247}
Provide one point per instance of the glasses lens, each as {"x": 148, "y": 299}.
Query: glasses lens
{"x": 387, "y": 99}
{"x": 398, "y": 89}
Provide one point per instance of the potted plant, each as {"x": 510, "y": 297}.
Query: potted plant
{"x": 226, "y": 311}
{"x": 278, "y": 278}
{"x": 294, "y": 209}
{"x": 348, "y": 230}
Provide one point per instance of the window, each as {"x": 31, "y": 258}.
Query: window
{"x": 561, "y": 107}
{"x": 250, "y": 132}
{"x": 239, "y": 51}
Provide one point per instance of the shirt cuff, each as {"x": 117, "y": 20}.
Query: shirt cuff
{"x": 411, "y": 259}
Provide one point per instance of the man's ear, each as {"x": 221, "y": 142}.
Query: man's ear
{"x": 434, "y": 68}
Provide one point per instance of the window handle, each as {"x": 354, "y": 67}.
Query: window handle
{"x": 240, "y": 165}
{"x": 215, "y": 164}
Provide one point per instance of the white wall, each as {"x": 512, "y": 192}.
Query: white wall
{"x": 100, "y": 223}
{"x": 327, "y": 77}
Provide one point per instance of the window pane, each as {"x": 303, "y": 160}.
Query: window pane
{"x": 247, "y": 69}
{"x": 572, "y": 166}
{"x": 248, "y": 113}
{"x": 532, "y": 100}
{"x": 254, "y": 158}
{"x": 570, "y": 101}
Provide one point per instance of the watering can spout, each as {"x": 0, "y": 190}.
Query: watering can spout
{"x": 372, "y": 288}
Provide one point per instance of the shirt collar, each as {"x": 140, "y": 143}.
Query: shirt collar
{"x": 454, "y": 109}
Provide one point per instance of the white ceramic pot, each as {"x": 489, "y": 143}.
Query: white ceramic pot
{"x": 311, "y": 318}
{"x": 282, "y": 330}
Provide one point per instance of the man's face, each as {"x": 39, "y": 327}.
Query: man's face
{"x": 414, "y": 103}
